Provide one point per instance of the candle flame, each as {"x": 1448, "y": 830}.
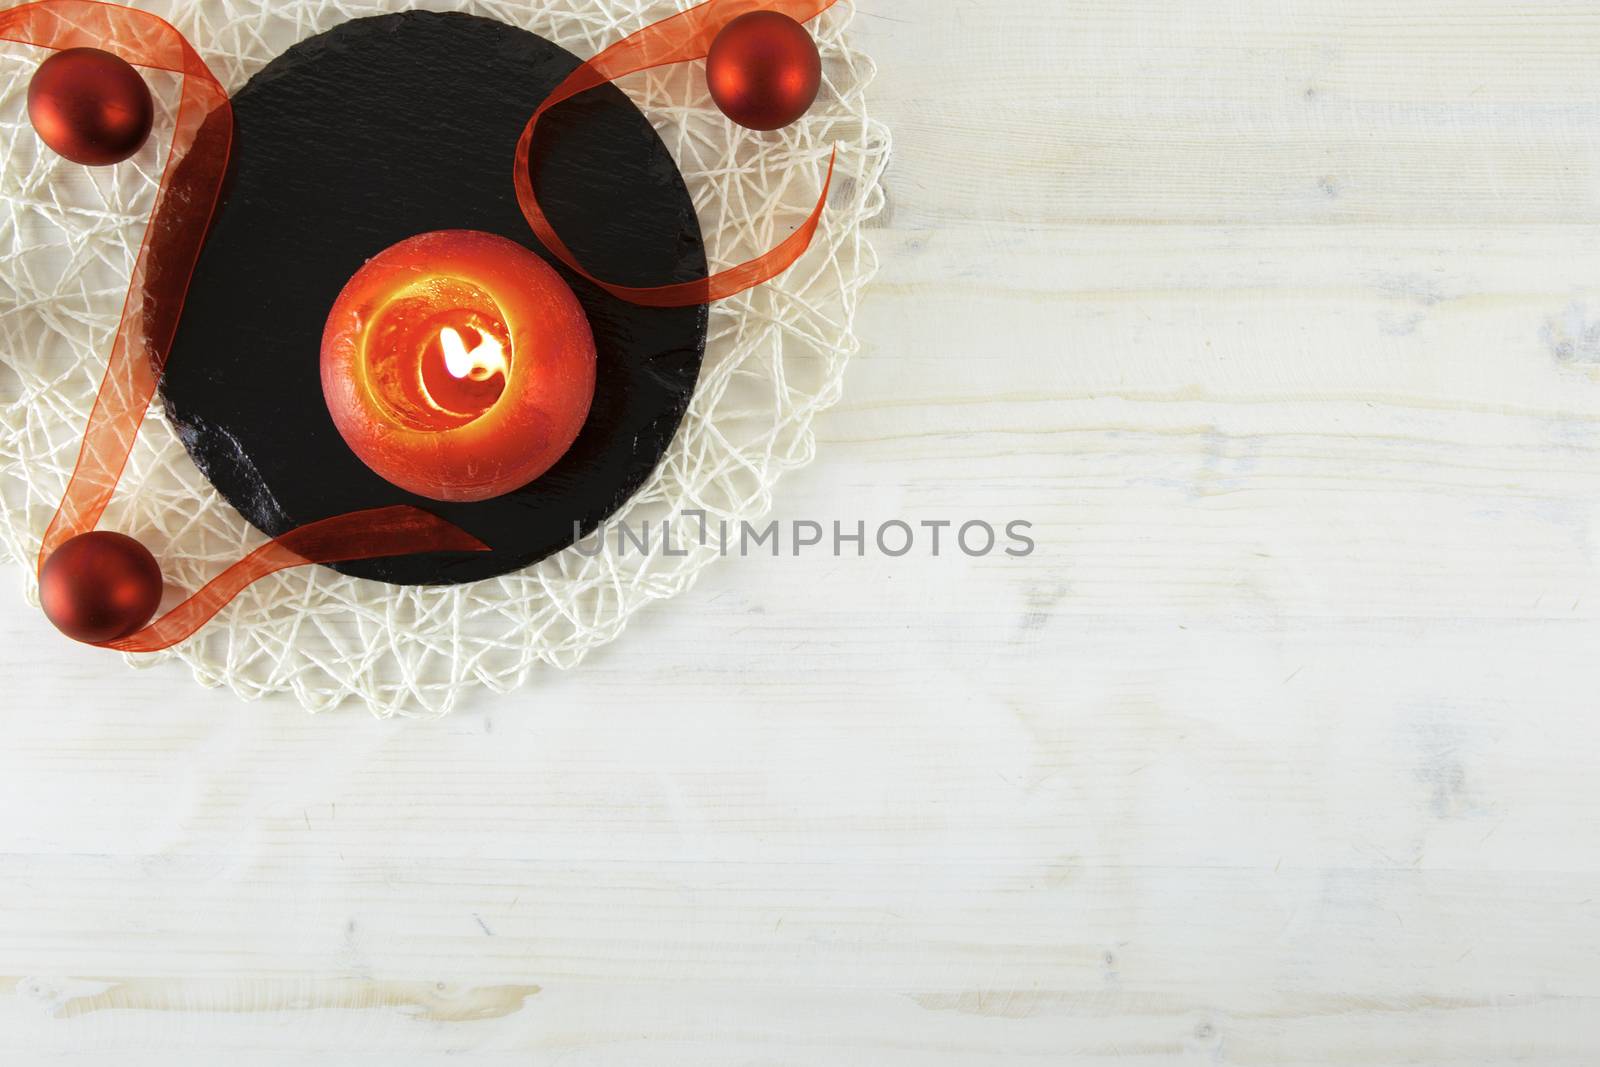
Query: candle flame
{"x": 478, "y": 365}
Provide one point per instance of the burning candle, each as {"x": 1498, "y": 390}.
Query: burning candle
{"x": 458, "y": 365}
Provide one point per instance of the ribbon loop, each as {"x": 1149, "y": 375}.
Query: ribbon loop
{"x": 677, "y": 39}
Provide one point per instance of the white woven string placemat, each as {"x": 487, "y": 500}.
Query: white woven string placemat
{"x": 775, "y": 358}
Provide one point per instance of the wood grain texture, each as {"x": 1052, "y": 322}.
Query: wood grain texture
{"x": 1280, "y": 321}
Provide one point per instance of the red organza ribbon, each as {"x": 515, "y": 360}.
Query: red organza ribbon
{"x": 188, "y": 195}
{"x": 677, "y": 39}
{"x": 394, "y": 531}
{"x": 184, "y": 203}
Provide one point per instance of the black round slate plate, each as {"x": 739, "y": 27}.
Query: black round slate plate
{"x": 391, "y": 126}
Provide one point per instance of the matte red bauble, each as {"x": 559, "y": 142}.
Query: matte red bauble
{"x": 763, "y": 70}
{"x": 90, "y": 106}
{"x": 100, "y": 586}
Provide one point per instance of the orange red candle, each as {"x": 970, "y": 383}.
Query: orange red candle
{"x": 458, "y": 365}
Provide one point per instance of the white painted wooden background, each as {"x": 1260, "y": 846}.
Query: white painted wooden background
{"x": 1281, "y": 320}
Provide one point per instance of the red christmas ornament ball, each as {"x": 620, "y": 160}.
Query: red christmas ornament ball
{"x": 100, "y": 586}
{"x": 90, "y": 106}
{"x": 763, "y": 70}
